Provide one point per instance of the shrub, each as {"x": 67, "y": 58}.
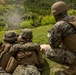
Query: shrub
{"x": 36, "y": 19}
{"x": 26, "y": 24}
{"x": 9, "y": 7}
{"x": 48, "y": 20}
{"x": 1, "y": 9}
{"x": 3, "y": 28}
{"x": 36, "y": 23}
{"x": 2, "y": 21}
{"x": 72, "y": 12}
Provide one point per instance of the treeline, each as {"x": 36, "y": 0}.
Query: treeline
{"x": 43, "y": 6}
{"x": 15, "y": 14}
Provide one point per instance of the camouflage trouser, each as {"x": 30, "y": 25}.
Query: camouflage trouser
{"x": 64, "y": 57}
{"x": 26, "y": 70}
{"x": 2, "y": 72}
{"x": 61, "y": 56}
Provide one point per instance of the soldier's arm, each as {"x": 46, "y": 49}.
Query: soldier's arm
{"x": 54, "y": 37}
{"x": 39, "y": 55}
{"x": 15, "y": 49}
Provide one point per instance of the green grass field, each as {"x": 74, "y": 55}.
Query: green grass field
{"x": 40, "y": 37}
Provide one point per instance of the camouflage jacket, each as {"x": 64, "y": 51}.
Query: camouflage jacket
{"x": 28, "y": 53}
{"x": 26, "y": 70}
{"x": 60, "y": 30}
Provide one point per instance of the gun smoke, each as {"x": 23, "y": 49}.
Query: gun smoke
{"x": 13, "y": 17}
{"x": 13, "y": 20}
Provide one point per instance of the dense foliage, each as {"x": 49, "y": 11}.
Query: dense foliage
{"x": 28, "y": 13}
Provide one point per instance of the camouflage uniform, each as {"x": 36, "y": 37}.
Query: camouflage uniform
{"x": 61, "y": 51}
{"x": 26, "y": 70}
{"x": 27, "y": 53}
{"x": 60, "y": 30}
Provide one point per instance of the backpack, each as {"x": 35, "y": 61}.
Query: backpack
{"x": 7, "y": 61}
{"x": 72, "y": 38}
{"x": 3, "y": 56}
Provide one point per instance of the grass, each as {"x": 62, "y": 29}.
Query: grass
{"x": 40, "y": 37}
{"x": 40, "y": 34}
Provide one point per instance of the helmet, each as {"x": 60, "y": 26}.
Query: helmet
{"x": 27, "y": 34}
{"x": 58, "y": 7}
{"x": 10, "y": 36}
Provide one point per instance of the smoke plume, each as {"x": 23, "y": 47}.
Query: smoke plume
{"x": 13, "y": 17}
{"x": 13, "y": 20}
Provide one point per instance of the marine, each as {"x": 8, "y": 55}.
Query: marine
{"x": 10, "y": 38}
{"x": 62, "y": 38}
{"x": 27, "y": 54}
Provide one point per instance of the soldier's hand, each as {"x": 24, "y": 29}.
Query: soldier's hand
{"x": 44, "y": 47}
{"x": 47, "y": 49}
{"x": 19, "y": 39}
